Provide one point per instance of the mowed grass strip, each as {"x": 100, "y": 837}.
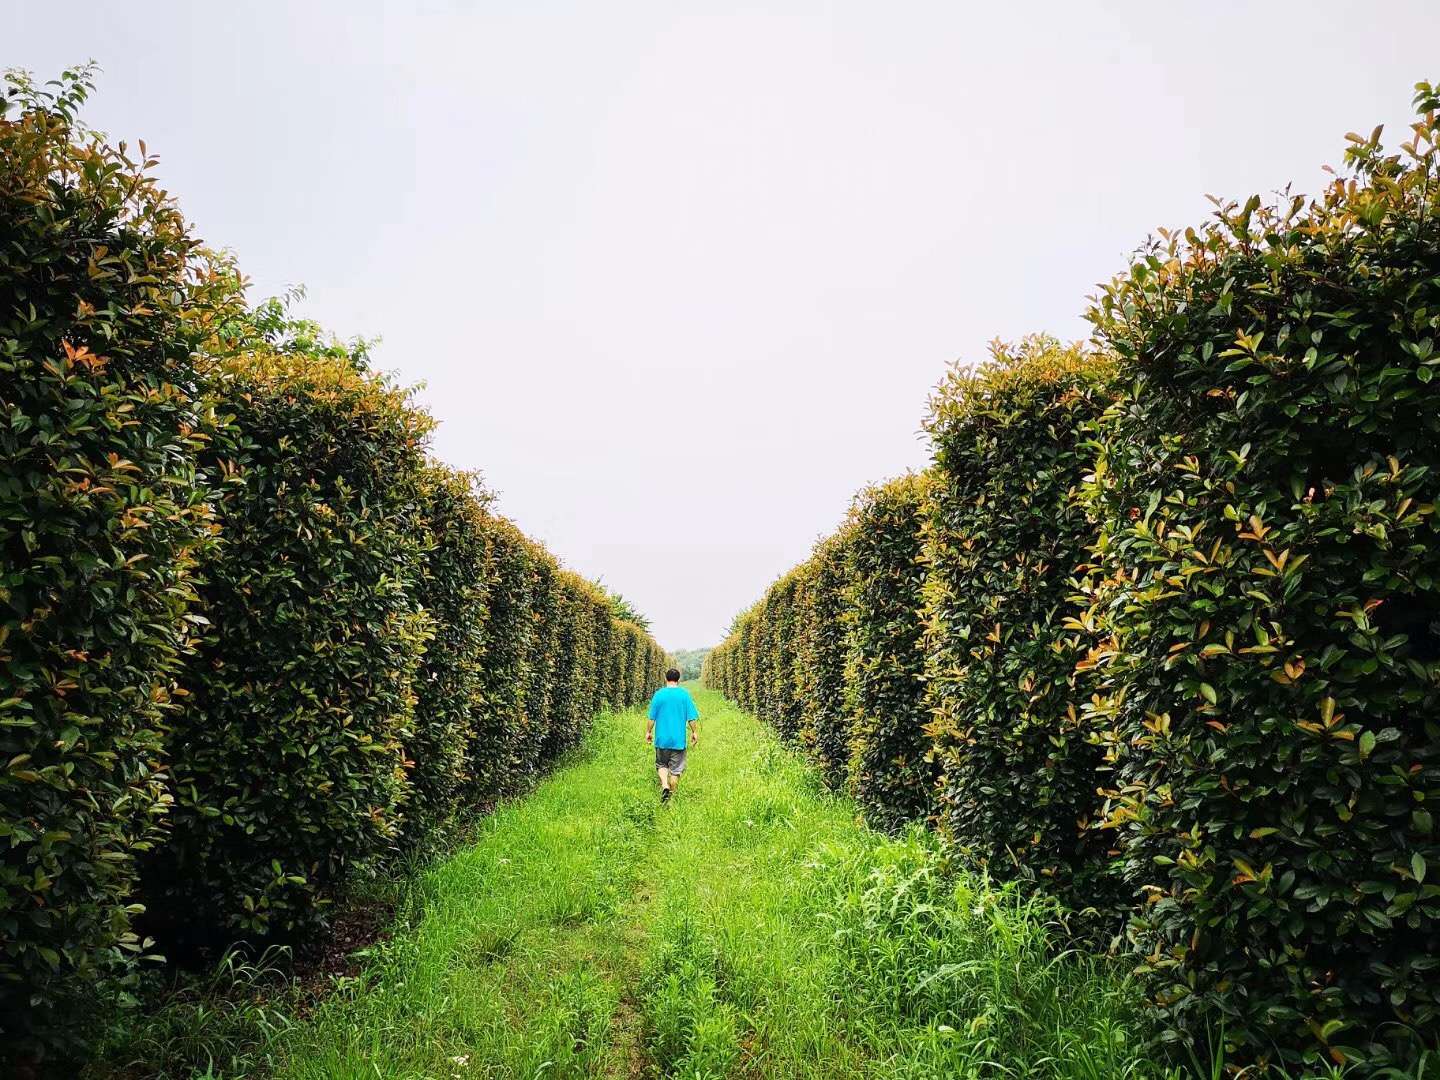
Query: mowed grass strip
{"x": 753, "y": 928}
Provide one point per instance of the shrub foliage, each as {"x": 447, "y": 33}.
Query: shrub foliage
{"x": 1182, "y": 620}
{"x": 831, "y": 656}
{"x": 253, "y": 637}
{"x": 103, "y": 518}
{"x": 1007, "y": 536}
{"x": 892, "y": 769}
{"x": 288, "y": 758}
{"x": 1267, "y": 601}
{"x": 453, "y": 588}
{"x": 821, "y": 649}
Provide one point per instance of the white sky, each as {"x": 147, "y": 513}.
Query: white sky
{"x": 679, "y": 277}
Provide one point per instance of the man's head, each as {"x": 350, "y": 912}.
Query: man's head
{"x": 672, "y": 676}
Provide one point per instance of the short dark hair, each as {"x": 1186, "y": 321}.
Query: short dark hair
{"x": 672, "y": 675}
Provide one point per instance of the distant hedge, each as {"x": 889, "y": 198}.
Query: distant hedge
{"x": 1181, "y": 660}
{"x": 253, "y": 636}
{"x": 493, "y": 756}
{"x": 832, "y": 657}
{"x": 821, "y": 649}
{"x": 571, "y": 693}
{"x": 892, "y": 770}
{"x": 454, "y": 589}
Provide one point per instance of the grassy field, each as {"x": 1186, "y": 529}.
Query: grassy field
{"x": 750, "y": 929}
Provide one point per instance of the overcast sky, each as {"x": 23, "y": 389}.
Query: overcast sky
{"x": 678, "y": 278}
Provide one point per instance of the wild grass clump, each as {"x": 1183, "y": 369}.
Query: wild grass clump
{"x": 214, "y": 1024}
{"x": 978, "y": 972}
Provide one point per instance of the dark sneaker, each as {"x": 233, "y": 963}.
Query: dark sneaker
{"x": 665, "y": 794}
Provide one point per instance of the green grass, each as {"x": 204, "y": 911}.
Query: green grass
{"x": 753, "y": 928}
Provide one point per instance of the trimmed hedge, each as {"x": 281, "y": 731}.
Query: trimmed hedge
{"x": 892, "y": 770}
{"x": 288, "y": 760}
{"x": 539, "y": 665}
{"x": 571, "y": 690}
{"x": 453, "y": 589}
{"x": 102, "y": 521}
{"x": 831, "y": 656}
{"x": 495, "y": 756}
{"x": 759, "y": 667}
{"x": 605, "y": 631}
{"x": 780, "y": 658}
{"x": 377, "y": 653}
{"x": 635, "y": 662}
{"x": 1267, "y": 600}
{"x": 821, "y": 650}
{"x": 1007, "y": 539}
{"x": 1183, "y": 621}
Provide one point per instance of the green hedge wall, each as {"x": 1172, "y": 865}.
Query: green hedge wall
{"x": 822, "y": 650}
{"x": 893, "y": 773}
{"x": 603, "y": 633}
{"x": 571, "y": 688}
{"x": 495, "y": 756}
{"x": 454, "y": 589}
{"x": 253, "y": 636}
{"x": 1007, "y": 539}
{"x": 539, "y": 665}
{"x": 780, "y": 613}
{"x": 287, "y": 760}
{"x": 831, "y": 656}
{"x": 636, "y": 663}
{"x": 1182, "y": 622}
{"x": 1267, "y": 601}
{"x": 103, "y": 519}
{"x": 742, "y": 678}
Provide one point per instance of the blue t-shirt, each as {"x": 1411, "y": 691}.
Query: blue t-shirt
{"x": 671, "y": 709}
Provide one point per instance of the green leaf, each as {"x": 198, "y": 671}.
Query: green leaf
{"x": 1417, "y": 866}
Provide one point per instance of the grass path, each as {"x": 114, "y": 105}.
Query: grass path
{"x": 753, "y": 928}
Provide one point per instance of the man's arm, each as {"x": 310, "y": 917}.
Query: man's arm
{"x": 649, "y": 729}
{"x": 694, "y": 731}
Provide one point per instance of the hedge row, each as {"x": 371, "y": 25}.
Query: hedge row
{"x": 253, "y": 637}
{"x": 831, "y": 656}
{"x": 1180, "y": 659}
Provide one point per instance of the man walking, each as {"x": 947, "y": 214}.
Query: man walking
{"x": 672, "y": 713}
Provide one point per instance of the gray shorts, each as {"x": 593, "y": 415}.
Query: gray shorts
{"x": 671, "y": 760}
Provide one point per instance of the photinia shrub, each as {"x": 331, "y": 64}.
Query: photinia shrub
{"x": 495, "y": 756}
{"x": 453, "y": 590}
{"x": 783, "y": 706}
{"x": 539, "y": 665}
{"x": 1266, "y": 605}
{"x": 821, "y": 651}
{"x": 603, "y": 633}
{"x": 1007, "y": 538}
{"x": 892, "y": 770}
{"x": 572, "y": 694}
{"x": 103, "y": 519}
{"x": 288, "y": 759}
